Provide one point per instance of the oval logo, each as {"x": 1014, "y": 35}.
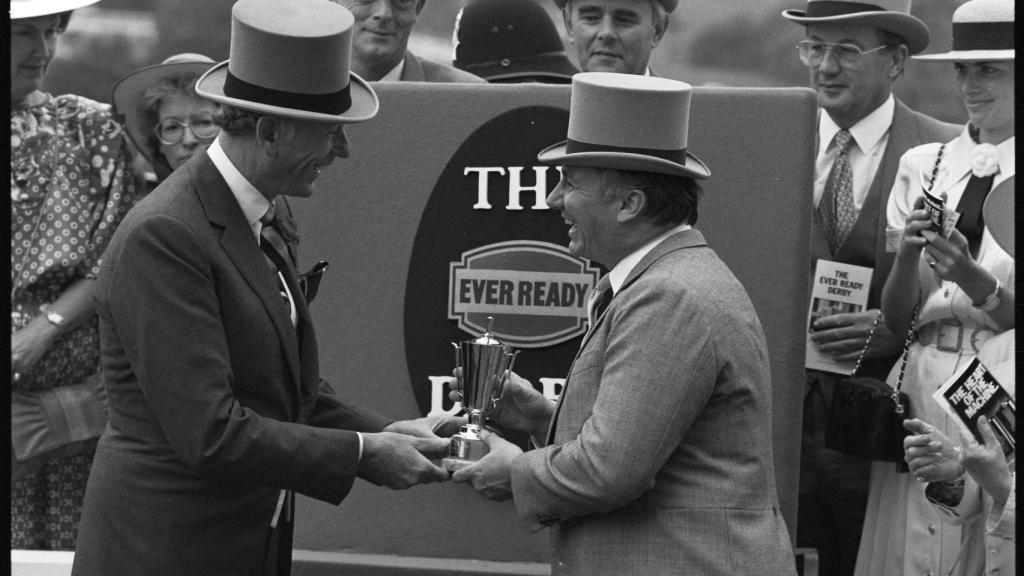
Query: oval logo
{"x": 500, "y": 252}
{"x": 538, "y": 290}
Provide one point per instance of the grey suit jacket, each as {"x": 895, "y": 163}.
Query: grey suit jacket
{"x": 660, "y": 458}
{"x": 216, "y": 403}
{"x": 417, "y": 69}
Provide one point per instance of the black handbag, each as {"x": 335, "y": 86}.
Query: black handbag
{"x": 866, "y": 416}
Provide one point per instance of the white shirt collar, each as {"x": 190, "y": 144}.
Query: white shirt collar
{"x": 618, "y": 274}
{"x": 395, "y": 74}
{"x": 867, "y": 132}
{"x": 253, "y": 203}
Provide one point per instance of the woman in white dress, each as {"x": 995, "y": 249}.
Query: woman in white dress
{"x": 963, "y": 281}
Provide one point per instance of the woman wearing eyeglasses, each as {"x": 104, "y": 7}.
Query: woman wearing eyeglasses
{"x": 71, "y": 184}
{"x": 163, "y": 116}
{"x": 962, "y": 278}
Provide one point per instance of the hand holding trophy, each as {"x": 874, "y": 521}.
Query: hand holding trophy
{"x": 483, "y": 366}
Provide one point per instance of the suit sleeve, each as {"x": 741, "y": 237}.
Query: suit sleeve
{"x": 166, "y": 311}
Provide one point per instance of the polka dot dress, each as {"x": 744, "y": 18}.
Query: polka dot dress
{"x": 71, "y": 185}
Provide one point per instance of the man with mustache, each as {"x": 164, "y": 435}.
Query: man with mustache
{"x": 854, "y": 52}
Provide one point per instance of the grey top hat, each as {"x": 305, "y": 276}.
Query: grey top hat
{"x": 982, "y": 31}
{"x": 503, "y": 39}
{"x": 999, "y": 214}
{"x": 628, "y": 122}
{"x": 889, "y": 15}
{"x": 34, "y": 8}
{"x": 126, "y": 96}
{"x": 291, "y": 58}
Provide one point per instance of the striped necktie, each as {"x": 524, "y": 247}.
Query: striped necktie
{"x": 277, "y": 253}
{"x": 599, "y": 299}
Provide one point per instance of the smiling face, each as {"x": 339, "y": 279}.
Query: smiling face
{"x": 614, "y": 35}
{"x": 988, "y": 93}
{"x": 191, "y": 110}
{"x": 33, "y": 45}
{"x": 381, "y": 33}
{"x": 590, "y": 211}
{"x": 849, "y": 95}
{"x": 304, "y": 150}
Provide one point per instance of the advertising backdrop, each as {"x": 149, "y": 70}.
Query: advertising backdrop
{"x": 437, "y": 221}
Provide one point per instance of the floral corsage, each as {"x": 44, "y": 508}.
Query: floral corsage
{"x": 984, "y": 160}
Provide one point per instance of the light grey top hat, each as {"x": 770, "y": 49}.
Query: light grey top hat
{"x": 999, "y": 215}
{"x": 628, "y": 122}
{"x": 982, "y": 31}
{"x": 291, "y": 58}
{"x": 889, "y": 15}
{"x": 34, "y": 8}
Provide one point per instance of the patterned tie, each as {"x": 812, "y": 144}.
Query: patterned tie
{"x": 599, "y": 299}
{"x": 836, "y": 209}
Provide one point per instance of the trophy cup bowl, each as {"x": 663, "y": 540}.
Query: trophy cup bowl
{"x": 485, "y": 366}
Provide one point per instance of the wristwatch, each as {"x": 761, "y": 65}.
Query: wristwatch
{"x": 55, "y": 319}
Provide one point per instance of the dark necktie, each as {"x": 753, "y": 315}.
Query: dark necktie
{"x": 836, "y": 209}
{"x": 277, "y": 252}
{"x": 599, "y": 299}
{"x": 971, "y": 222}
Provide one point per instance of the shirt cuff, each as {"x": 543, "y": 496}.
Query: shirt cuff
{"x": 360, "y": 458}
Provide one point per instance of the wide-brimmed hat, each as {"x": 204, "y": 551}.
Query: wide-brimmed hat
{"x": 889, "y": 15}
{"x": 669, "y": 5}
{"x": 628, "y": 122}
{"x": 503, "y": 39}
{"x": 291, "y": 58}
{"x": 982, "y": 31}
{"x": 126, "y": 96}
{"x": 999, "y": 215}
{"x": 34, "y": 8}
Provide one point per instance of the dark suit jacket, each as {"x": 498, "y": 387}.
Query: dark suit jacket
{"x": 420, "y": 70}
{"x": 216, "y": 403}
{"x": 865, "y": 244}
{"x": 659, "y": 461}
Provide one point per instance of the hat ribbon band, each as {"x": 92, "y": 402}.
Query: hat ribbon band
{"x": 983, "y": 36}
{"x": 575, "y": 146}
{"x": 826, "y": 8}
{"x": 333, "y": 103}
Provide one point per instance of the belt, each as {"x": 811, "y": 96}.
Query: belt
{"x": 951, "y": 336}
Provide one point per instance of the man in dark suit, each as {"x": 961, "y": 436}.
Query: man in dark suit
{"x": 855, "y": 52}
{"x": 657, "y": 458}
{"x": 380, "y": 44}
{"x": 217, "y": 410}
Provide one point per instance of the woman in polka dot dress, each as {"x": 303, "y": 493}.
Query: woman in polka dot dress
{"x": 70, "y": 187}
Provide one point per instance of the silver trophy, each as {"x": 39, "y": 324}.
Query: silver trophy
{"x": 485, "y": 365}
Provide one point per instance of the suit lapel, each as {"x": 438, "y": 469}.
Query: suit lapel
{"x": 686, "y": 239}
{"x": 242, "y": 249}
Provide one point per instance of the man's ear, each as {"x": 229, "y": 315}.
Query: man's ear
{"x": 270, "y": 131}
{"x": 567, "y": 19}
{"x": 660, "y": 27}
{"x": 899, "y": 61}
{"x": 631, "y": 205}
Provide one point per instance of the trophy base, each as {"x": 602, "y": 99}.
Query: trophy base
{"x": 463, "y": 451}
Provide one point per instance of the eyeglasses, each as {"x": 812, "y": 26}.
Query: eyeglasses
{"x": 812, "y": 53}
{"x": 171, "y": 131}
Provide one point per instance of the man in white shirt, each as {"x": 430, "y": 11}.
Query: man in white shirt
{"x": 855, "y": 51}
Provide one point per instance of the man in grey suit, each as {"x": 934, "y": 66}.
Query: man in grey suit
{"x": 380, "y": 44}
{"x": 657, "y": 459}
{"x": 855, "y": 51}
